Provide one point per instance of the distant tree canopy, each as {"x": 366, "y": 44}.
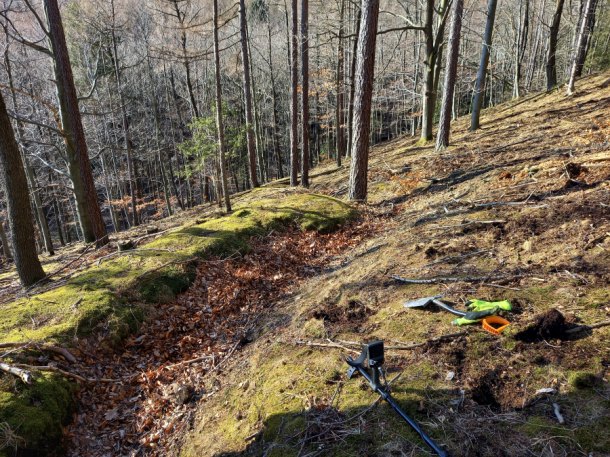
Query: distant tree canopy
{"x": 119, "y": 129}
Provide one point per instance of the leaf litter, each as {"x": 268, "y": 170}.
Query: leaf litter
{"x": 165, "y": 369}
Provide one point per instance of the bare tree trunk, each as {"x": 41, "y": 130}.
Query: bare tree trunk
{"x": 88, "y": 208}
{"x": 442, "y": 140}
{"x": 352, "y": 86}
{"x": 581, "y": 43}
{"x": 112, "y": 211}
{"x": 276, "y": 146}
{"x": 29, "y": 172}
{"x": 583, "y": 49}
{"x": 340, "y": 88}
{"x": 219, "y": 124}
{"x": 294, "y": 100}
{"x": 126, "y": 131}
{"x": 365, "y": 67}
{"x": 263, "y": 165}
{"x": 433, "y": 58}
{"x": 427, "y": 108}
{"x": 305, "y": 93}
{"x": 479, "y": 90}
{"x": 58, "y": 220}
{"x": 520, "y": 46}
{"x": 6, "y": 250}
{"x": 14, "y": 183}
{"x": 551, "y": 66}
{"x": 247, "y": 95}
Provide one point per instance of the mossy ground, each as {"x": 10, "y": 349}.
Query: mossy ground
{"x": 545, "y": 236}
{"x": 112, "y": 296}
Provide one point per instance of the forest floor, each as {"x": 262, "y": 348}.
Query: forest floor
{"x": 249, "y": 360}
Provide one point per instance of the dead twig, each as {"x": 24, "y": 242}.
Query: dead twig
{"x": 41, "y": 347}
{"x": 558, "y": 415}
{"x": 589, "y": 327}
{"x": 68, "y": 374}
{"x": 407, "y": 347}
{"x": 188, "y": 362}
{"x": 22, "y": 374}
{"x": 222, "y": 362}
{"x": 137, "y": 240}
{"x": 468, "y": 222}
{"x": 341, "y": 344}
{"x": 452, "y": 279}
{"x": 330, "y": 344}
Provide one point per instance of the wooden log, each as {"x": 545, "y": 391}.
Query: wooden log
{"x": 22, "y": 374}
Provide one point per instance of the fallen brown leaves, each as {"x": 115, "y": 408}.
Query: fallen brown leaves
{"x": 166, "y": 368}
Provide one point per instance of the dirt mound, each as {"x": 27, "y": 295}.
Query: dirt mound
{"x": 550, "y": 325}
{"x": 354, "y": 311}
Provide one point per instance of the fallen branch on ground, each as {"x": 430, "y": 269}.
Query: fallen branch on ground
{"x": 42, "y": 347}
{"x": 558, "y": 415}
{"x": 22, "y": 374}
{"x": 451, "y": 279}
{"x": 468, "y": 222}
{"x": 187, "y": 362}
{"x": 400, "y": 346}
{"x": 65, "y": 373}
{"x": 588, "y": 327}
{"x": 330, "y": 344}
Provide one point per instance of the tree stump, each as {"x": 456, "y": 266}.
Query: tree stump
{"x": 125, "y": 245}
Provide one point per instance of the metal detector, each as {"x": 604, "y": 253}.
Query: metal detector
{"x": 369, "y": 365}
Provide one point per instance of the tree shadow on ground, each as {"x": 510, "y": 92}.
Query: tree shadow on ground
{"x": 464, "y": 422}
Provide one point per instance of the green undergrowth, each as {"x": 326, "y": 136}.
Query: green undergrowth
{"x": 112, "y": 297}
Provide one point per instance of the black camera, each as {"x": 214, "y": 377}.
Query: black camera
{"x": 374, "y": 353}
{"x": 370, "y": 360}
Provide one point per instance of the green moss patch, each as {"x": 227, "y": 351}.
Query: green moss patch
{"x": 36, "y": 414}
{"x": 115, "y": 294}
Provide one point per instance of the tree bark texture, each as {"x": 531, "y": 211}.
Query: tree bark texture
{"x": 365, "y": 67}
{"x": 88, "y": 209}
{"x": 581, "y": 43}
{"x": 442, "y": 140}
{"x": 305, "y": 93}
{"x": 219, "y": 123}
{"x": 14, "y": 183}
{"x": 29, "y": 171}
{"x": 247, "y": 95}
{"x": 294, "y": 99}
{"x": 352, "y": 86}
{"x": 340, "y": 89}
{"x": 583, "y": 48}
{"x": 479, "y": 90}
{"x": 551, "y": 65}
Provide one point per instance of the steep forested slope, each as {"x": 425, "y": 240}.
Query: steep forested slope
{"x": 244, "y": 321}
{"x": 517, "y": 211}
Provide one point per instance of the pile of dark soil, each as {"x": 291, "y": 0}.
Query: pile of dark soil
{"x": 550, "y": 325}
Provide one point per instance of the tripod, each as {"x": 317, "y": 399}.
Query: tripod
{"x": 368, "y": 364}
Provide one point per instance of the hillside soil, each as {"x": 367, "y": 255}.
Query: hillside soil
{"x": 246, "y": 358}
{"x": 519, "y": 210}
